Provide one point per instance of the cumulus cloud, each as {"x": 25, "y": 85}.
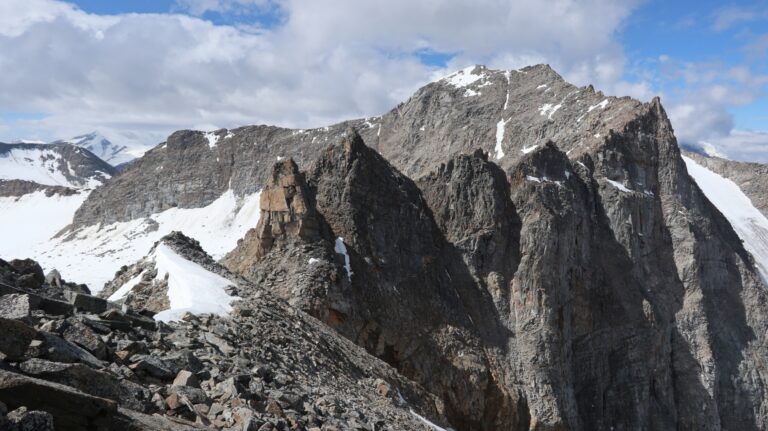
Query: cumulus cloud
{"x": 149, "y": 74}
{"x": 698, "y": 99}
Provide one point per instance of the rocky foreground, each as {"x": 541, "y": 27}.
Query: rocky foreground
{"x": 78, "y": 362}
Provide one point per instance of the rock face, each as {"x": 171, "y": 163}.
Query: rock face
{"x": 553, "y": 297}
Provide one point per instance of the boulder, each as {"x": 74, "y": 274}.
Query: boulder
{"x": 18, "y": 306}
{"x": 70, "y": 408}
{"x": 15, "y": 337}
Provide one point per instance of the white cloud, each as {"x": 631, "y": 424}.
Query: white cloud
{"x": 149, "y": 74}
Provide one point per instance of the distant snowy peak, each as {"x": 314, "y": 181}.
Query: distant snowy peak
{"x": 53, "y": 165}
{"x": 104, "y": 148}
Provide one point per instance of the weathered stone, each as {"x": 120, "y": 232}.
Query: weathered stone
{"x": 17, "y": 306}
{"x": 78, "y": 376}
{"x": 60, "y": 350}
{"x": 15, "y": 338}
{"x": 186, "y": 378}
{"x": 71, "y": 409}
{"x": 85, "y": 302}
{"x": 23, "y": 420}
{"x": 85, "y": 338}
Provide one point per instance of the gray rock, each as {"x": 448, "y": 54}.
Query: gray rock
{"x": 15, "y": 338}
{"x": 17, "y": 306}
{"x": 71, "y": 409}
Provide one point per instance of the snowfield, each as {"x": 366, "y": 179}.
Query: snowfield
{"x": 748, "y": 222}
{"x": 93, "y": 254}
{"x": 31, "y": 220}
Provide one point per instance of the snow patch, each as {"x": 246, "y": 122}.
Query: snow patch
{"x": 463, "y": 77}
{"x": 549, "y": 109}
{"x": 527, "y": 150}
{"x": 600, "y": 105}
{"x": 341, "y": 248}
{"x": 748, "y": 222}
{"x": 191, "y": 288}
{"x": 212, "y": 138}
{"x": 313, "y": 261}
{"x": 619, "y": 186}
{"x": 125, "y": 288}
{"x": 541, "y": 86}
{"x": 500, "y": 126}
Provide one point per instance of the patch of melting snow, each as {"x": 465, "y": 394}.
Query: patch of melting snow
{"x": 600, "y": 105}
{"x": 549, "y": 109}
{"x": 280, "y": 158}
{"x": 542, "y": 180}
{"x": 619, "y": 186}
{"x": 212, "y": 138}
{"x": 527, "y": 150}
{"x": 541, "y": 86}
{"x": 313, "y": 261}
{"x": 125, "y": 288}
{"x": 500, "y": 126}
{"x": 341, "y": 248}
{"x": 470, "y": 93}
{"x": 463, "y": 77}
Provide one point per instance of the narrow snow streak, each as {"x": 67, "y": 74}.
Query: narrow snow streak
{"x": 125, "y": 288}
{"x": 426, "y": 421}
{"x": 619, "y": 186}
{"x": 748, "y": 222}
{"x": 500, "y": 126}
{"x": 191, "y": 288}
{"x": 527, "y": 150}
{"x": 600, "y": 105}
{"x": 341, "y": 248}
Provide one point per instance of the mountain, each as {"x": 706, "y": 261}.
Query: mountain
{"x": 41, "y": 186}
{"x": 98, "y": 144}
{"x": 527, "y": 253}
{"x": 63, "y": 165}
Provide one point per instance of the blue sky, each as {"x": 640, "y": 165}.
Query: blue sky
{"x": 138, "y": 69}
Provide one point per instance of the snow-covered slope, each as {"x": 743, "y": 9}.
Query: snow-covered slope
{"x": 748, "y": 222}
{"x": 30, "y": 220}
{"x": 93, "y": 254}
{"x": 53, "y": 165}
{"x": 191, "y": 288}
{"x": 106, "y": 149}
